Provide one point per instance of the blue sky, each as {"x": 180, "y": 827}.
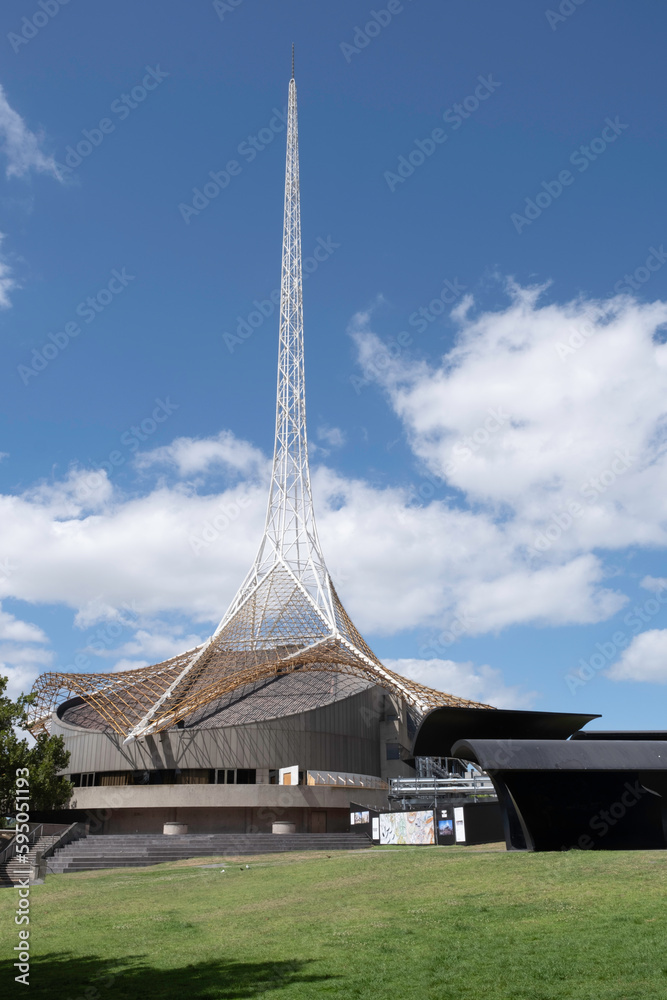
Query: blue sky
{"x": 454, "y": 157}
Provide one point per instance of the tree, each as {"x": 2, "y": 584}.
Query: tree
{"x": 44, "y": 759}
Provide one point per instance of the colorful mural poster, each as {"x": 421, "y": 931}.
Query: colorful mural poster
{"x": 407, "y": 828}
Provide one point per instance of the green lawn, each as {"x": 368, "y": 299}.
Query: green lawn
{"x": 441, "y": 923}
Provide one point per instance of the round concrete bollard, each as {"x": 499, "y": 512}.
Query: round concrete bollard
{"x": 283, "y": 828}
{"x": 172, "y": 828}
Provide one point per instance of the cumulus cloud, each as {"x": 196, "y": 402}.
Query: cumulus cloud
{"x": 333, "y": 436}
{"x": 22, "y": 653}
{"x": 645, "y": 659}
{"x": 483, "y": 683}
{"x": 558, "y": 458}
{"x": 7, "y": 284}
{"x": 21, "y": 147}
{"x": 175, "y": 551}
{"x": 157, "y": 645}
{"x": 200, "y": 455}
{"x": 11, "y": 628}
{"x": 551, "y": 422}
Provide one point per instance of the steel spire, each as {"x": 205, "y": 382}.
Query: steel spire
{"x": 286, "y": 615}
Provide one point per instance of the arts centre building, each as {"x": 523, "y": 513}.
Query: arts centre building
{"x": 284, "y": 715}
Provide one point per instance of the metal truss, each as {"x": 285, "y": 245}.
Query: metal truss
{"x": 286, "y": 614}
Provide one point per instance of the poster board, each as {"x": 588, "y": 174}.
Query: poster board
{"x": 459, "y": 825}
{"x": 407, "y": 827}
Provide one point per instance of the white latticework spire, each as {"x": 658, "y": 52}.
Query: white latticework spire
{"x": 286, "y": 615}
{"x": 290, "y": 535}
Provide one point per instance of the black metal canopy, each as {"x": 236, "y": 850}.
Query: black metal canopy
{"x": 563, "y": 755}
{"x": 443, "y": 727}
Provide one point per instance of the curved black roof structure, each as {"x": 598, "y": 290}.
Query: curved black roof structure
{"x": 443, "y": 727}
{"x": 563, "y": 755}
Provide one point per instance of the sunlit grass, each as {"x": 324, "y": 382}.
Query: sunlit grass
{"x": 445, "y": 923}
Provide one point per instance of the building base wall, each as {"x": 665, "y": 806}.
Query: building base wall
{"x": 222, "y": 821}
{"x": 219, "y": 808}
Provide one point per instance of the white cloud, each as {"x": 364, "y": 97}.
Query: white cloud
{"x": 526, "y": 433}
{"x": 14, "y": 630}
{"x": 21, "y": 147}
{"x": 126, "y": 664}
{"x": 20, "y": 660}
{"x": 465, "y": 680}
{"x": 19, "y": 679}
{"x": 7, "y": 284}
{"x": 82, "y": 543}
{"x": 559, "y": 452}
{"x": 157, "y": 645}
{"x": 645, "y": 659}
{"x": 333, "y": 436}
{"x": 193, "y": 455}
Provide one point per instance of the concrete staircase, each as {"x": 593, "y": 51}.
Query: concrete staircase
{"x": 13, "y": 871}
{"x": 133, "y": 850}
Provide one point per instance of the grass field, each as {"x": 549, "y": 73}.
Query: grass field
{"x": 384, "y": 924}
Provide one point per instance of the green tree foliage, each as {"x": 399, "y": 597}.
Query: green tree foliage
{"x": 44, "y": 759}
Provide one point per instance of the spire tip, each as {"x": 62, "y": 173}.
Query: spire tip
{"x": 292, "y": 60}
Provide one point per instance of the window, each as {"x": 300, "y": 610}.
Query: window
{"x": 236, "y": 776}
{"x": 246, "y": 776}
{"x": 393, "y": 751}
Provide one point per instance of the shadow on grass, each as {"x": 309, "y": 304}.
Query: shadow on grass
{"x": 63, "y": 976}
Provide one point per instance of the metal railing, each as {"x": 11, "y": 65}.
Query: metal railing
{"x": 10, "y": 851}
{"x": 345, "y": 780}
{"x": 73, "y": 832}
{"x": 469, "y": 785}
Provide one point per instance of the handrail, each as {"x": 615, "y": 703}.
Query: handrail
{"x": 10, "y": 850}
{"x": 66, "y": 837}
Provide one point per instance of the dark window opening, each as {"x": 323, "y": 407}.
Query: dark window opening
{"x": 246, "y": 776}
